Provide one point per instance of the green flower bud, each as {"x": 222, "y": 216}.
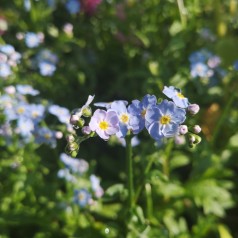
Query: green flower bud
{"x": 80, "y": 122}
{"x": 87, "y": 112}
{"x": 73, "y": 153}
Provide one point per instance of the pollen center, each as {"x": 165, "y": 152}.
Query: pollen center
{"x": 180, "y": 95}
{"x": 165, "y": 120}
{"x": 143, "y": 113}
{"x": 103, "y": 125}
{"x": 124, "y": 118}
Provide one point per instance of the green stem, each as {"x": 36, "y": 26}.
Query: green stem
{"x": 223, "y": 116}
{"x": 147, "y": 169}
{"x": 182, "y": 12}
{"x": 168, "y": 148}
{"x": 129, "y": 173}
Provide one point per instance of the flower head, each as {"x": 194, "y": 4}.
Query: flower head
{"x": 26, "y": 89}
{"x": 104, "y": 123}
{"x": 163, "y": 120}
{"x": 82, "y": 197}
{"x": 176, "y": 95}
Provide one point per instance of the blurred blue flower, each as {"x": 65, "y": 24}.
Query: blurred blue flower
{"x": 75, "y": 165}
{"x": 62, "y": 113}
{"x": 95, "y": 184}
{"x": 82, "y": 197}
{"x": 199, "y": 70}
{"x": 5, "y": 70}
{"x": 36, "y": 112}
{"x": 73, "y": 6}
{"x": 26, "y": 90}
{"x": 163, "y": 120}
{"x": 65, "y": 174}
{"x": 32, "y": 39}
{"x": 25, "y": 127}
{"x": 46, "y": 68}
{"x": 45, "y": 135}
{"x": 7, "y": 49}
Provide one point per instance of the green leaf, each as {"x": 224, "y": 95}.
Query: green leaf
{"x": 224, "y": 232}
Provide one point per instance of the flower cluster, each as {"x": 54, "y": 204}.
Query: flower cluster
{"x": 205, "y": 65}
{"x": 88, "y": 6}
{"x": 9, "y": 58}
{"x": 27, "y": 119}
{"x": 87, "y": 188}
{"x": 33, "y": 40}
{"x": 46, "y": 62}
{"x": 162, "y": 120}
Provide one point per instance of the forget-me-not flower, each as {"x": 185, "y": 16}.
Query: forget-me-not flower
{"x": 104, "y": 123}
{"x": 164, "y": 119}
{"x": 82, "y": 197}
{"x": 176, "y": 95}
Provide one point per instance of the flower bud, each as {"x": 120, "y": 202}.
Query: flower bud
{"x": 74, "y": 119}
{"x": 86, "y": 130}
{"x": 179, "y": 140}
{"x": 80, "y": 122}
{"x": 183, "y": 129}
{"x": 87, "y": 112}
{"x": 193, "y": 108}
{"x": 73, "y": 146}
{"x": 58, "y": 134}
{"x": 70, "y": 138}
{"x": 73, "y": 153}
{"x": 197, "y": 129}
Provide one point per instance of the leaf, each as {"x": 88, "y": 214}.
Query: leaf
{"x": 223, "y": 232}
{"x": 179, "y": 161}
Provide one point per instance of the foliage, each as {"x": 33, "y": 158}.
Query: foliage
{"x": 65, "y": 50}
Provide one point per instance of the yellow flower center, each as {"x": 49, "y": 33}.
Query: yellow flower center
{"x": 103, "y": 125}
{"x": 143, "y": 113}
{"x": 180, "y": 95}
{"x": 124, "y": 118}
{"x": 81, "y": 197}
{"x": 47, "y": 136}
{"x": 20, "y": 110}
{"x": 35, "y": 114}
{"x": 165, "y": 120}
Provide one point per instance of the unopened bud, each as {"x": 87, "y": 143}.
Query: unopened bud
{"x": 197, "y": 129}
{"x": 86, "y": 130}
{"x": 58, "y": 134}
{"x": 87, "y": 111}
{"x": 70, "y": 138}
{"x": 183, "y": 129}
{"x": 179, "y": 140}
{"x": 73, "y": 153}
{"x": 74, "y": 119}
{"x": 193, "y": 108}
{"x": 73, "y": 146}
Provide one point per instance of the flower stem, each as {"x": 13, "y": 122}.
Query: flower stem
{"x": 129, "y": 173}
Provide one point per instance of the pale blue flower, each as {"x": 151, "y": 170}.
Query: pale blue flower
{"x": 176, "y": 95}
{"x": 95, "y": 184}
{"x": 164, "y": 119}
{"x": 104, "y": 123}
{"x": 26, "y": 90}
{"x": 7, "y": 49}
{"x": 75, "y": 165}
{"x": 45, "y": 135}
{"x": 32, "y": 40}
{"x": 5, "y": 70}
{"x": 62, "y": 113}
{"x": 138, "y": 109}
{"x": 199, "y": 70}
{"x": 82, "y": 197}
{"x": 46, "y": 68}
{"x": 36, "y": 112}
{"x": 25, "y": 127}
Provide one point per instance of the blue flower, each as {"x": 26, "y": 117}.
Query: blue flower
{"x": 199, "y": 70}
{"x": 46, "y": 68}
{"x": 139, "y": 109}
{"x": 26, "y": 89}
{"x": 73, "y": 6}
{"x": 45, "y": 135}
{"x": 95, "y": 183}
{"x": 32, "y": 40}
{"x": 7, "y": 49}
{"x": 76, "y": 165}
{"x": 82, "y": 197}
{"x": 5, "y": 70}
{"x": 163, "y": 120}
{"x": 36, "y": 112}
{"x": 126, "y": 120}
{"x": 176, "y": 95}
{"x": 25, "y": 127}
{"x": 61, "y": 113}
